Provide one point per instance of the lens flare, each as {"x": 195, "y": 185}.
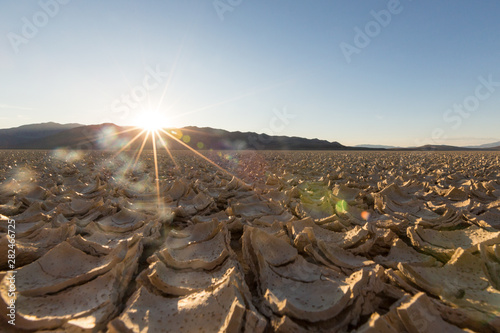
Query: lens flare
{"x": 341, "y": 206}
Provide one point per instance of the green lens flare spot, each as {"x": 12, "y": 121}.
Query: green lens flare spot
{"x": 186, "y": 138}
{"x": 341, "y": 206}
{"x": 200, "y": 145}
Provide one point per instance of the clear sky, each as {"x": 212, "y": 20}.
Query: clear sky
{"x": 382, "y": 72}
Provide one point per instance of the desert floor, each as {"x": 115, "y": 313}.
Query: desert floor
{"x": 256, "y": 242}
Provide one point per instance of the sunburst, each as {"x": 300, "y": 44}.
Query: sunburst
{"x": 154, "y": 126}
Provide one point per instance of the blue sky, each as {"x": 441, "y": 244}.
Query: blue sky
{"x": 428, "y": 72}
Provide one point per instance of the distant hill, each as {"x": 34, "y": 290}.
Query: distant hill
{"x": 110, "y": 136}
{"x": 375, "y": 146}
{"x": 222, "y": 139}
{"x": 444, "y": 148}
{"x": 488, "y": 145}
{"x": 434, "y": 148}
{"x": 26, "y": 134}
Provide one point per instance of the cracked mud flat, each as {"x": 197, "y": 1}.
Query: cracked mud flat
{"x": 280, "y": 241}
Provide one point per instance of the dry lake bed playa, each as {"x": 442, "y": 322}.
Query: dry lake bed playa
{"x": 268, "y": 241}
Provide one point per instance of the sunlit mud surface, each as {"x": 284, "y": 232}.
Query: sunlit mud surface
{"x": 262, "y": 242}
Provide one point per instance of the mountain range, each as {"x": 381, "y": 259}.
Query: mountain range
{"x": 375, "y": 146}
{"x": 488, "y": 145}
{"x": 111, "y": 137}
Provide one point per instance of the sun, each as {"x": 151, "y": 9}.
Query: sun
{"x": 151, "y": 120}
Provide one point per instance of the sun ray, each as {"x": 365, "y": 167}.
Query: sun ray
{"x": 129, "y": 143}
{"x": 137, "y": 155}
{"x": 125, "y": 130}
{"x": 168, "y": 151}
{"x": 157, "y": 178}
{"x": 140, "y": 150}
{"x": 102, "y": 136}
{"x": 204, "y": 157}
